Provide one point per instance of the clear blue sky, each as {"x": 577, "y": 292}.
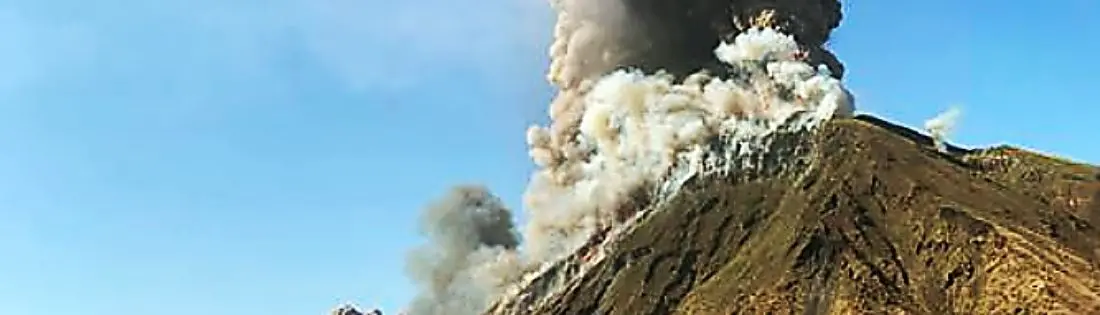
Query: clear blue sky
{"x": 270, "y": 157}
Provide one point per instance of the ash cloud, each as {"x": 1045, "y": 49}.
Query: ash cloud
{"x": 593, "y": 39}
{"x": 642, "y": 85}
{"x": 471, "y": 236}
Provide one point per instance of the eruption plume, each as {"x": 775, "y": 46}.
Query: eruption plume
{"x": 712, "y": 64}
{"x": 471, "y": 235}
{"x": 650, "y": 93}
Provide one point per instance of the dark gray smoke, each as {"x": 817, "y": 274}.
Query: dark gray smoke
{"x": 679, "y": 36}
{"x": 471, "y": 237}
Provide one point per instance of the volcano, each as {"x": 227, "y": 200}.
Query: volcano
{"x": 878, "y": 222}
{"x": 704, "y": 157}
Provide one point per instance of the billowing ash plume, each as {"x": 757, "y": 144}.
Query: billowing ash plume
{"x": 701, "y": 88}
{"x": 592, "y": 37}
{"x": 633, "y": 128}
{"x": 649, "y": 90}
{"x": 471, "y": 239}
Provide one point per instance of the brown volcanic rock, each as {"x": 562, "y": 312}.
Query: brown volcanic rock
{"x": 879, "y": 223}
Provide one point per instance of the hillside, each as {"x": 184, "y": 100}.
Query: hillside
{"x": 876, "y": 222}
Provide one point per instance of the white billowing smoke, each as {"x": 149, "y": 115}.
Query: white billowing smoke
{"x": 941, "y": 125}
{"x": 612, "y": 134}
{"x": 587, "y": 40}
{"x": 633, "y": 128}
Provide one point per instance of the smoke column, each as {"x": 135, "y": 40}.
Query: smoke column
{"x": 470, "y": 240}
{"x": 641, "y": 81}
{"x": 650, "y": 92}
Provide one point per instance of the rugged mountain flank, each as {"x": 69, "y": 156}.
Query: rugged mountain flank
{"x": 877, "y": 221}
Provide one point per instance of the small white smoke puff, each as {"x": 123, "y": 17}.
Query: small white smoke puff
{"x": 941, "y": 125}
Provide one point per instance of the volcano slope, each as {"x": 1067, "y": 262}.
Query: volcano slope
{"x": 879, "y": 222}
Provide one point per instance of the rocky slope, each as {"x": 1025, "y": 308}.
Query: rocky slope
{"x": 876, "y": 221}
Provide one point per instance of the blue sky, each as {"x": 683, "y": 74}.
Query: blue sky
{"x": 271, "y": 157}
